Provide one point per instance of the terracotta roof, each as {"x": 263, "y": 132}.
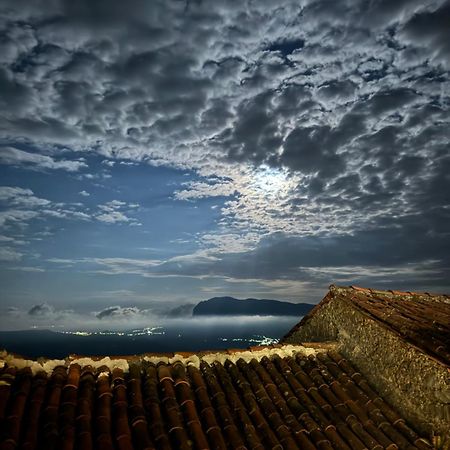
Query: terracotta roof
{"x": 422, "y": 319}
{"x": 277, "y": 400}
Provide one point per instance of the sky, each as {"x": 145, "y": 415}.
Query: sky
{"x": 155, "y": 153}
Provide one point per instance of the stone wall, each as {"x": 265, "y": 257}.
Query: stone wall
{"x": 416, "y": 385}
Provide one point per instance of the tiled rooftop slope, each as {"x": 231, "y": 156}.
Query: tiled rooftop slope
{"x": 422, "y": 320}
{"x": 400, "y": 341}
{"x": 272, "y": 401}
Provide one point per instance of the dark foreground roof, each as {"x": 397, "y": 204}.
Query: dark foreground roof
{"x": 422, "y": 320}
{"x": 314, "y": 402}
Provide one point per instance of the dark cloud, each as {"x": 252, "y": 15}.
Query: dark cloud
{"x": 430, "y": 29}
{"x": 307, "y": 150}
{"x": 41, "y": 310}
{"x": 291, "y": 100}
{"x": 386, "y": 101}
{"x": 255, "y": 134}
{"x": 115, "y": 70}
{"x": 14, "y": 95}
{"x": 367, "y": 255}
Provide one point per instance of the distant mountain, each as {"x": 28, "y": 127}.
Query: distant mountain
{"x": 229, "y": 306}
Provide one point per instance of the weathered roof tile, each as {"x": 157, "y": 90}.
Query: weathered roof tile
{"x": 277, "y": 402}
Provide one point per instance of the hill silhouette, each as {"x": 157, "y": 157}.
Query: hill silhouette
{"x": 230, "y": 306}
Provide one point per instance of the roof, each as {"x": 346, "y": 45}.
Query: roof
{"x": 271, "y": 398}
{"x": 421, "y": 319}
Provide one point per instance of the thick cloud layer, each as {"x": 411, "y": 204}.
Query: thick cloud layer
{"x": 324, "y": 124}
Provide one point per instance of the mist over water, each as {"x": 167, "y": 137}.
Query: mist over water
{"x": 127, "y": 337}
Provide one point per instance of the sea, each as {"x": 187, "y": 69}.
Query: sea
{"x": 188, "y": 335}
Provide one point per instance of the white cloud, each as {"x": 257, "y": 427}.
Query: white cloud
{"x": 113, "y": 212}
{"x": 346, "y": 274}
{"x": 16, "y": 218}
{"x": 84, "y": 193}
{"x": 22, "y": 205}
{"x": 113, "y": 217}
{"x": 121, "y": 266}
{"x": 119, "y": 312}
{"x": 27, "y": 269}
{"x": 21, "y": 197}
{"x": 12, "y": 240}
{"x": 232, "y": 242}
{"x": 9, "y": 254}
{"x": 109, "y": 266}
{"x": 112, "y": 205}
{"x": 62, "y": 261}
{"x": 109, "y": 163}
{"x": 198, "y": 189}
{"x": 15, "y": 157}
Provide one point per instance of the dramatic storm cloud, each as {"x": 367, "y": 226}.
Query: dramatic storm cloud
{"x": 168, "y": 151}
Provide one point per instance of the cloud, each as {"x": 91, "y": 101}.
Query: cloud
{"x": 110, "y": 212}
{"x": 282, "y": 263}
{"x": 120, "y": 266}
{"x": 113, "y": 217}
{"x": 118, "y": 312}
{"x": 22, "y": 205}
{"x": 129, "y": 321}
{"x": 429, "y": 29}
{"x": 84, "y": 193}
{"x": 43, "y": 309}
{"x": 9, "y": 254}
{"x": 16, "y": 218}
{"x": 324, "y": 126}
{"x": 30, "y": 269}
{"x": 306, "y": 149}
{"x": 17, "y": 196}
{"x": 198, "y": 189}
{"x": 109, "y": 266}
{"x": 15, "y": 157}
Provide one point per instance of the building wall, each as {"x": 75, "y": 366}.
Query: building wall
{"x": 416, "y": 385}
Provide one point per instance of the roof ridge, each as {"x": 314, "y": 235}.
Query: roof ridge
{"x": 186, "y": 358}
{"x": 391, "y": 292}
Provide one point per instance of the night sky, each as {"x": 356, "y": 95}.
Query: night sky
{"x": 154, "y": 153}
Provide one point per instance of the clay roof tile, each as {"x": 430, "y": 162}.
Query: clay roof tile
{"x": 273, "y": 401}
